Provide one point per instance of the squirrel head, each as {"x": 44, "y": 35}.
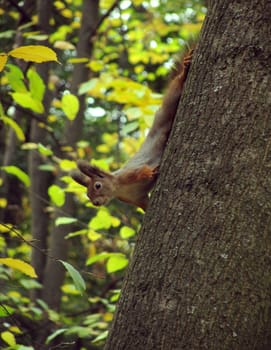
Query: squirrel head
{"x": 100, "y": 184}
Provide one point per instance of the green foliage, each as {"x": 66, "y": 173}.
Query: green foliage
{"x": 133, "y": 50}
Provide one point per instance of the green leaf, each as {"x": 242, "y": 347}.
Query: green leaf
{"x": 57, "y": 195}
{"x": 98, "y": 257}
{"x": 45, "y": 151}
{"x": 6, "y": 310}
{"x": 64, "y": 221}
{"x": 75, "y": 275}
{"x": 15, "y": 78}
{"x": 103, "y": 220}
{"x": 100, "y": 337}
{"x": 27, "y": 101}
{"x": 126, "y": 232}
{"x": 16, "y": 128}
{"x": 36, "y": 85}
{"x": 116, "y": 262}
{"x": 21, "y": 175}
{"x": 70, "y": 105}
{"x": 55, "y": 334}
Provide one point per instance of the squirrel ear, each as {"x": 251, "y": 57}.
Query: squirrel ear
{"x": 90, "y": 170}
{"x": 80, "y": 178}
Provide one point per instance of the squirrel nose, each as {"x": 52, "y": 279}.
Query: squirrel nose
{"x": 96, "y": 203}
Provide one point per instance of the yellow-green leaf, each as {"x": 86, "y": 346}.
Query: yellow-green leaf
{"x": 19, "y": 265}
{"x": 34, "y": 53}
{"x": 44, "y": 150}
{"x": 3, "y": 61}
{"x": 67, "y": 165}
{"x": 64, "y": 221}
{"x": 36, "y": 85}
{"x": 27, "y": 101}
{"x": 8, "y": 338}
{"x": 126, "y": 232}
{"x": 116, "y": 262}
{"x": 70, "y": 105}
{"x": 16, "y": 128}
{"x": 20, "y": 174}
{"x": 57, "y": 195}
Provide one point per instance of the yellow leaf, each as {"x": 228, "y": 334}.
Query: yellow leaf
{"x": 93, "y": 235}
{"x": 16, "y": 128}
{"x": 34, "y": 53}
{"x": 3, "y": 61}
{"x": 19, "y": 265}
{"x": 8, "y": 338}
{"x": 70, "y": 105}
{"x": 63, "y": 45}
{"x": 3, "y": 202}
{"x": 108, "y": 316}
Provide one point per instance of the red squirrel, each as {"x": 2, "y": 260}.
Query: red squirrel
{"x": 133, "y": 182}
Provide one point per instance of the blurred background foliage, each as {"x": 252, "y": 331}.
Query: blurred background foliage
{"x": 134, "y": 46}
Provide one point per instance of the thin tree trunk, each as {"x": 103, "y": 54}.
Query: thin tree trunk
{"x": 40, "y": 179}
{"x": 200, "y": 275}
{"x": 55, "y": 273}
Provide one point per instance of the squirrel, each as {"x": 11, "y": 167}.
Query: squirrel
{"x": 133, "y": 182}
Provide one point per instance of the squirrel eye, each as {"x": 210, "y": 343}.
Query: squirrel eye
{"x": 97, "y": 185}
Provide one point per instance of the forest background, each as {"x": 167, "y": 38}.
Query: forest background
{"x": 97, "y": 103}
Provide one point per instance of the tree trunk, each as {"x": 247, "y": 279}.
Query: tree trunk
{"x": 55, "y": 273}
{"x": 39, "y": 178}
{"x": 200, "y": 274}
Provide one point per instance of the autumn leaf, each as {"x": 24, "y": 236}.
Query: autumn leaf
{"x": 34, "y": 53}
{"x": 19, "y": 265}
{"x": 3, "y": 61}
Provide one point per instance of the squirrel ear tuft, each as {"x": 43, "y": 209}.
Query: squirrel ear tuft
{"x": 91, "y": 170}
{"x": 80, "y": 178}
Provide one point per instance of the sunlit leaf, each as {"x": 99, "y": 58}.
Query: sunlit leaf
{"x": 64, "y": 45}
{"x": 64, "y": 221}
{"x": 34, "y": 53}
{"x": 44, "y": 150}
{"x": 57, "y": 195}
{"x": 100, "y": 337}
{"x": 36, "y": 85}
{"x": 67, "y": 165}
{"x": 75, "y": 275}
{"x": 116, "y": 262}
{"x": 3, "y": 61}
{"x": 93, "y": 235}
{"x": 15, "y": 78}
{"x": 98, "y": 257}
{"x": 126, "y": 232}
{"x": 21, "y": 175}
{"x": 16, "y": 128}
{"x": 19, "y": 265}
{"x": 70, "y": 105}
{"x": 3, "y": 202}
{"x": 8, "y": 338}
{"x": 103, "y": 220}
{"x": 27, "y": 101}
{"x": 6, "y": 310}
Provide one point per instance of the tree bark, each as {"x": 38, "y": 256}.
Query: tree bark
{"x": 39, "y": 178}
{"x": 200, "y": 274}
{"x": 54, "y": 274}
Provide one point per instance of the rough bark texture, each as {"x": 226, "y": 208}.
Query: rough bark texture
{"x": 54, "y": 273}
{"x": 200, "y": 275}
